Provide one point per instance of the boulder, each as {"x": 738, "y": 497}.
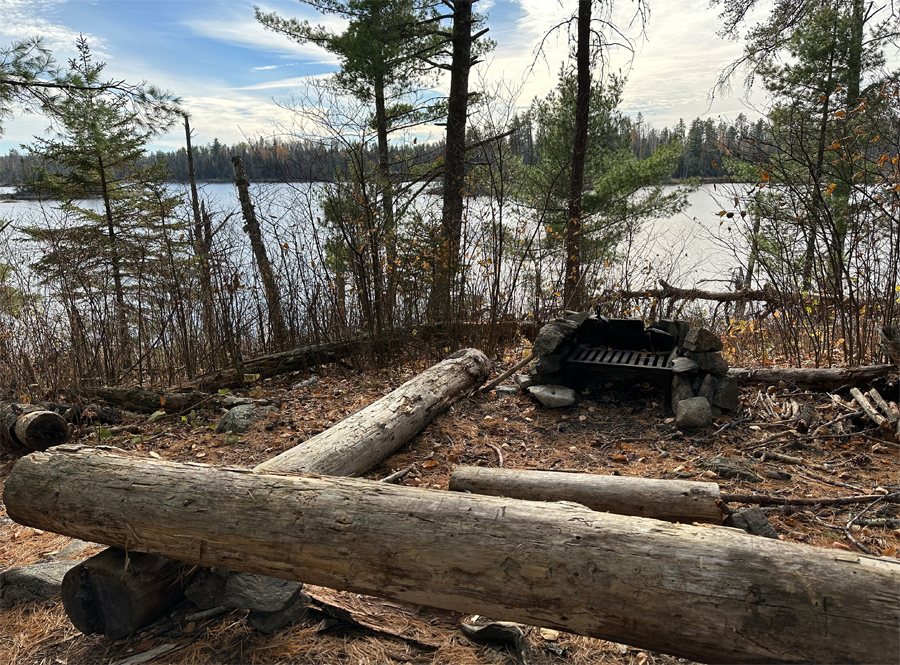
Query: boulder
{"x": 269, "y": 622}
{"x": 506, "y": 390}
{"x": 218, "y": 587}
{"x": 752, "y": 520}
{"x": 708, "y": 388}
{"x": 241, "y": 417}
{"x": 553, "y": 335}
{"x": 553, "y": 397}
{"x": 694, "y": 412}
{"x": 702, "y": 340}
{"x": 548, "y": 364}
{"x": 37, "y": 582}
{"x": 681, "y": 389}
{"x": 685, "y": 366}
{"x": 727, "y": 395}
{"x": 710, "y": 361}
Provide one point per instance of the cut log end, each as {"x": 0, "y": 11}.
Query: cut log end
{"x": 40, "y": 430}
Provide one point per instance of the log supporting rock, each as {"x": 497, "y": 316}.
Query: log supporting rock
{"x": 669, "y": 500}
{"x": 351, "y": 447}
{"x": 706, "y": 593}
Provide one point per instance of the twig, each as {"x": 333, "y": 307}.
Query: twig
{"x": 499, "y": 454}
{"x": 823, "y": 501}
{"x": 833, "y": 483}
{"x": 769, "y": 439}
{"x": 515, "y": 368}
{"x": 863, "y": 512}
{"x": 847, "y": 534}
{"x": 866, "y": 406}
{"x": 840, "y": 418}
{"x": 397, "y": 475}
{"x": 732, "y": 423}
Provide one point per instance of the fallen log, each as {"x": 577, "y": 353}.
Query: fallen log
{"x": 363, "y": 439}
{"x": 824, "y": 378}
{"x": 705, "y": 593}
{"x": 144, "y": 400}
{"x": 267, "y": 366}
{"x": 350, "y": 447}
{"x": 30, "y": 427}
{"x": 669, "y": 500}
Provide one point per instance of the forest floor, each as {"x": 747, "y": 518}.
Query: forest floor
{"x": 614, "y": 429}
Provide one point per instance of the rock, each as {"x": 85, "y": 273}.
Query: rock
{"x": 727, "y": 395}
{"x": 626, "y": 334}
{"x": 658, "y": 341}
{"x": 683, "y": 328}
{"x": 576, "y": 317}
{"x": 524, "y": 381}
{"x": 693, "y": 412}
{"x": 666, "y": 325}
{"x": 497, "y": 631}
{"x": 681, "y": 389}
{"x": 552, "y": 336}
{"x": 218, "y": 587}
{"x": 710, "y": 361}
{"x": 38, "y": 582}
{"x": 506, "y": 390}
{"x": 594, "y": 331}
{"x": 548, "y": 364}
{"x": 311, "y": 381}
{"x": 702, "y": 340}
{"x": 553, "y": 397}
{"x": 241, "y": 417}
{"x": 708, "y": 388}
{"x": 269, "y": 622}
{"x": 752, "y": 520}
{"x": 731, "y": 467}
{"x": 685, "y": 366}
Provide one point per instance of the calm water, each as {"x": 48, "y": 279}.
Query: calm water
{"x": 695, "y": 248}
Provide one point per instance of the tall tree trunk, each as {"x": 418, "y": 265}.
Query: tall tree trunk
{"x": 251, "y": 226}
{"x": 454, "y": 162}
{"x": 115, "y": 262}
{"x": 383, "y": 287}
{"x": 574, "y": 287}
{"x": 201, "y": 248}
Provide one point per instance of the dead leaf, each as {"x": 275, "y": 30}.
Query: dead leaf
{"x": 427, "y": 464}
{"x": 840, "y": 546}
{"x": 549, "y": 634}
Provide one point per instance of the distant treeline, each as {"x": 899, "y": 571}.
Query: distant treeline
{"x": 707, "y": 144}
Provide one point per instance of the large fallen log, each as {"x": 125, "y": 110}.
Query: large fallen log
{"x": 823, "y": 378}
{"x": 144, "y": 400}
{"x": 30, "y": 427}
{"x": 705, "y": 593}
{"x": 351, "y": 447}
{"x": 669, "y": 500}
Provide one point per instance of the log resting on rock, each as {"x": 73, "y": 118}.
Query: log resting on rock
{"x": 706, "y": 593}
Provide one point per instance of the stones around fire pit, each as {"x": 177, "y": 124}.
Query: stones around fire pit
{"x": 693, "y": 412}
{"x": 701, "y": 339}
{"x": 683, "y": 365}
{"x": 553, "y": 397}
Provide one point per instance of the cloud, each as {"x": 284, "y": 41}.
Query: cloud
{"x": 23, "y": 19}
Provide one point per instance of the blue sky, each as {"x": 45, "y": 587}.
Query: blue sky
{"x": 230, "y": 72}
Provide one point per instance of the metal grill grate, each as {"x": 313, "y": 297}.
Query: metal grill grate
{"x": 593, "y": 358}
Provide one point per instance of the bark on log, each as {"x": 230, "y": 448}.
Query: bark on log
{"x": 30, "y": 427}
{"x": 365, "y": 438}
{"x": 822, "y": 378}
{"x": 669, "y": 500}
{"x": 142, "y": 400}
{"x": 351, "y": 447}
{"x": 866, "y": 406}
{"x": 103, "y": 596}
{"x": 705, "y": 593}
{"x": 274, "y": 364}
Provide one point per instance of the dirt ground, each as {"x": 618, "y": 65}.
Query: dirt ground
{"x": 614, "y": 429}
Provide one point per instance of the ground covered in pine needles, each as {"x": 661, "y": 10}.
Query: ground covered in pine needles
{"x": 614, "y": 429}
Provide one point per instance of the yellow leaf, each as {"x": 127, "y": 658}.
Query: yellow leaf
{"x": 840, "y": 114}
{"x": 250, "y": 378}
{"x": 765, "y": 176}
{"x": 834, "y": 146}
{"x": 722, "y": 213}
{"x": 162, "y": 400}
{"x": 830, "y": 189}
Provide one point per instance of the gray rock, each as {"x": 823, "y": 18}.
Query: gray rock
{"x": 38, "y": 582}
{"x": 710, "y": 361}
{"x": 702, "y": 340}
{"x": 752, "y": 520}
{"x": 75, "y": 547}
{"x": 311, "y": 381}
{"x": 708, "y": 388}
{"x": 593, "y": 331}
{"x": 683, "y": 328}
{"x": 694, "y": 412}
{"x": 241, "y": 417}
{"x": 576, "y": 317}
{"x": 524, "y": 381}
{"x": 681, "y": 390}
{"x": 507, "y": 390}
{"x": 727, "y": 395}
{"x": 666, "y": 325}
{"x": 731, "y": 467}
{"x": 685, "y": 366}
{"x": 548, "y": 364}
{"x": 219, "y": 587}
{"x": 553, "y": 397}
{"x": 269, "y": 622}
{"x": 552, "y": 336}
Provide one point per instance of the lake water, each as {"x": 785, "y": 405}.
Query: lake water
{"x": 695, "y": 248}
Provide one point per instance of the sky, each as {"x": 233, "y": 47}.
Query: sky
{"x": 235, "y": 78}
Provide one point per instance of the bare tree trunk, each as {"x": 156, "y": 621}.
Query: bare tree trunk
{"x": 701, "y": 592}
{"x": 573, "y": 295}
{"x": 251, "y": 226}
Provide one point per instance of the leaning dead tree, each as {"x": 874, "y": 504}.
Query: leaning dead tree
{"x": 706, "y": 593}
{"x": 98, "y": 597}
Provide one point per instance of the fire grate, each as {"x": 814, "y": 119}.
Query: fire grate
{"x": 621, "y": 364}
